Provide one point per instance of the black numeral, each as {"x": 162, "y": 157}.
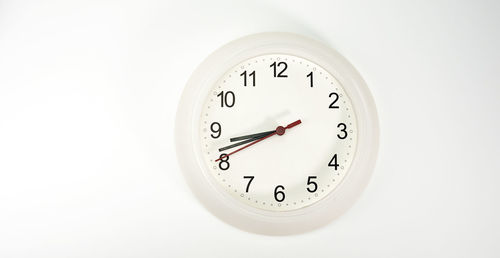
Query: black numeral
{"x": 226, "y": 99}
{"x": 275, "y": 66}
{"x": 333, "y": 162}
{"x": 343, "y": 130}
{"x": 310, "y": 182}
{"x": 336, "y": 97}
{"x": 249, "y": 181}
{"x": 216, "y": 129}
{"x": 279, "y": 195}
{"x": 224, "y": 161}
{"x": 244, "y": 74}
{"x": 310, "y": 75}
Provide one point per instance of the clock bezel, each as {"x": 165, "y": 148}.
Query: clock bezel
{"x": 225, "y": 206}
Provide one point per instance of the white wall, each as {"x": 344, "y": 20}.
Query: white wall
{"x": 88, "y": 95}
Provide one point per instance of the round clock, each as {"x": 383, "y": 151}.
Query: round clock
{"x": 276, "y": 133}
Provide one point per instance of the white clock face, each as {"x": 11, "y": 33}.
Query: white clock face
{"x": 278, "y": 169}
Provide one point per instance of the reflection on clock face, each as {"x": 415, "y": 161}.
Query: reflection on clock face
{"x": 278, "y": 132}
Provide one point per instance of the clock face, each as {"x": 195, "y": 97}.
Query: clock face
{"x": 277, "y": 132}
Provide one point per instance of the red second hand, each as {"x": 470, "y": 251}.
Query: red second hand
{"x": 280, "y": 130}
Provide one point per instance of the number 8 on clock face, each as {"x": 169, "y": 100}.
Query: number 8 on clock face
{"x": 276, "y": 133}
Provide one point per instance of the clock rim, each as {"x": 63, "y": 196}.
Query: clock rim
{"x": 217, "y": 200}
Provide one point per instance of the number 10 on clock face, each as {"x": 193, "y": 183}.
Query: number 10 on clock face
{"x": 251, "y": 153}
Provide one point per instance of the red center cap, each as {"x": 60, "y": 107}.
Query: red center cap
{"x": 280, "y": 130}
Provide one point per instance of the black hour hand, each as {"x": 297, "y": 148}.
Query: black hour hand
{"x": 250, "y": 136}
{"x": 246, "y": 139}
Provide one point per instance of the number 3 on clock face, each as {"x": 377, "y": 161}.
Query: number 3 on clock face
{"x": 278, "y": 134}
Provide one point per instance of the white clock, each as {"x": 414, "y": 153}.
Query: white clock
{"x": 276, "y": 133}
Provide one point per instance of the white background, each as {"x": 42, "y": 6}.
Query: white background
{"x": 88, "y": 95}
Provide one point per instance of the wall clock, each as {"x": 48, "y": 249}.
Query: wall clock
{"x": 276, "y": 133}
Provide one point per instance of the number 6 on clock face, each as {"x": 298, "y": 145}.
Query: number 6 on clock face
{"x": 277, "y": 133}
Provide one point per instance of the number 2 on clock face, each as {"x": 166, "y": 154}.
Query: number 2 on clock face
{"x": 278, "y": 132}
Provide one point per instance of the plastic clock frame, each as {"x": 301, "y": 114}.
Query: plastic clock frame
{"x": 216, "y": 199}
